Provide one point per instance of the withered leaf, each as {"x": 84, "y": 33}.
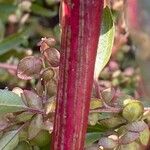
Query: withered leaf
{"x": 29, "y": 67}
{"x": 52, "y": 55}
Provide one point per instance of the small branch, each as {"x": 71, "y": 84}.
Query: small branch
{"x": 8, "y": 66}
{"x": 112, "y": 110}
{"x": 36, "y": 111}
{"x": 108, "y": 110}
{"x": 97, "y": 90}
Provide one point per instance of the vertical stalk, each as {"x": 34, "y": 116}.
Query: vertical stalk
{"x": 132, "y": 11}
{"x": 80, "y": 22}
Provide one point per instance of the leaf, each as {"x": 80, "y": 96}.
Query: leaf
{"x": 95, "y": 103}
{"x": 145, "y": 136}
{"x": 42, "y": 139}
{"x": 52, "y": 55}
{"x": 2, "y": 30}
{"x": 112, "y": 122}
{"x": 35, "y": 126}
{"x": 50, "y": 105}
{"x": 13, "y": 41}
{"x": 10, "y": 102}
{"x": 92, "y": 137}
{"x": 39, "y": 88}
{"x": 108, "y": 94}
{"x": 23, "y": 117}
{"x": 137, "y": 126}
{"x": 93, "y": 118}
{"x": 32, "y": 99}
{"x": 7, "y": 8}
{"x": 131, "y": 146}
{"x": 129, "y": 137}
{"x": 105, "y": 42}
{"x": 97, "y": 128}
{"x": 4, "y": 123}
{"x": 23, "y": 145}
{"x": 9, "y": 141}
{"x": 51, "y": 88}
{"x": 39, "y": 10}
{"x": 107, "y": 143}
{"x": 29, "y": 67}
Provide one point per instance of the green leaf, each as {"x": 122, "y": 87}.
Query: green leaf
{"x": 9, "y": 141}
{"x": 2, "y": 30}
{"x": 145, "y": 136}
{"x": 7, "y": 8}
{"x": 23, "y": 117}
{"x": 131, "y": 146}
{"x": 93, "y": 118}
{"x": 35, "y": 126}
{"x": 23, "y": 145}
{"x": 39, "y": 10}
{"x": 10, "y": 102}
{"x": 105, "y": 42}
{"x": 97, "y": 128}
{"x": 92, "y": 137}
{"x": 42, "y": 139}
{"x": 113, "y": 122}
{"x": 13, "y": 41}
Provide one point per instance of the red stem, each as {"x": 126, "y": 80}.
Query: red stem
{"x": 80, "y": 33}
{"x": 8, "y": 66}
{"x": 132, "y": 11}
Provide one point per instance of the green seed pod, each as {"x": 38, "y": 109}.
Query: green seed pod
{"x": 133, "y": 110}
{"x": 51, "y": 88}
{"x": 48, "y": 74}
{"x": 95, "y": 103}
{"x": 39, "y": 88}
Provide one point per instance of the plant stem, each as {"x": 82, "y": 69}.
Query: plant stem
{"x": 36, "y": 111}
{"x": 132, "y": 11}
{"x": 112, "y": 110}
{"x": 80, "y": 22}
{"x": 8, "y": 66}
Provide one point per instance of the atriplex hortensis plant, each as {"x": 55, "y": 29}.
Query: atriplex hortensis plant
{"x": 80, "y": 21}
{"x": 117, "y": 121}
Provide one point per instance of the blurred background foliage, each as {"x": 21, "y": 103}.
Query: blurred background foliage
{"x": 22, "y": 24}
